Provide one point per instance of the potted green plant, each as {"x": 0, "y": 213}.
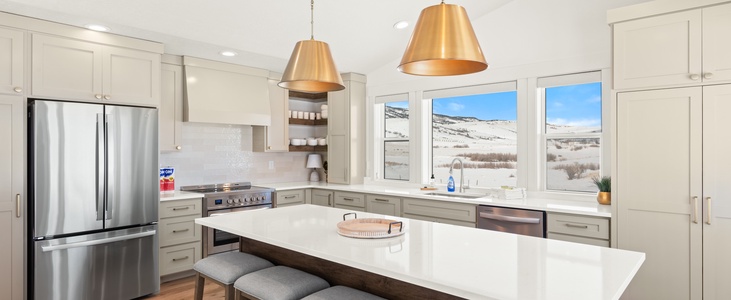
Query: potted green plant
{"x": 605, "y": 188}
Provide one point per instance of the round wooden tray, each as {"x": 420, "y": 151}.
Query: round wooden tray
{"x": 370, "y": 228}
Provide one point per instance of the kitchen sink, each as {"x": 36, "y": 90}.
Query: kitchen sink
{"x": 457, "y": 195}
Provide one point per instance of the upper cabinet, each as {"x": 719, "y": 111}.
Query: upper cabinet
{"x": 11, "y": 61}
{"x": 683, "y": 48}
{"x": 80, "y": 70}
{"x": 171, "y": 105}
{"x": 346, "y": 131}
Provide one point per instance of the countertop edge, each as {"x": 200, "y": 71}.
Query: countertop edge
{"x": 179, "y": 195}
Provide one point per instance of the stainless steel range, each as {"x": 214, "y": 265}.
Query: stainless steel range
{"x": 223, "y": 199}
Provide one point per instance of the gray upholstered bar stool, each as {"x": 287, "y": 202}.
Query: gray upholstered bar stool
{"x": 224, "y": 269}
{"x": 278, "y": 283}
{"x": 340, "y": 292}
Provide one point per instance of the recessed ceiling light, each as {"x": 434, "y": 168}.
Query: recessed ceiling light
{"x": 401, "y": 25}
{"x": 97, "y": 27}
{"x": 228, "y": 53}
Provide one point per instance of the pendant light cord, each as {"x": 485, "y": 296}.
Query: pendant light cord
{"x": 312, "y": 19}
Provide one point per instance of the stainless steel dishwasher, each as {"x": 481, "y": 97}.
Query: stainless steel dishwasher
{"x": 512, "y": 220}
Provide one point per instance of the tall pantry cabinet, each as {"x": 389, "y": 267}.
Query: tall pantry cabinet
{"x": 12, "y": 163}
{"x": 672, "y": 187}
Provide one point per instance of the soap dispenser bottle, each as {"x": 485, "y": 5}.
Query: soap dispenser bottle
{"x": 431, "y": 181}
{"x": 450, "y": 184}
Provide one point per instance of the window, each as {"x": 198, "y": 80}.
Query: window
{"x": 396, "y": 140}
{"x": 572, "y": 131}
{"x": 481, "y": 130}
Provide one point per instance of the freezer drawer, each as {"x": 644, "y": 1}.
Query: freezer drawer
{"x": 120, "y": 264}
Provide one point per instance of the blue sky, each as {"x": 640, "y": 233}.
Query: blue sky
{"x": 575, "y": 105}
{"x": 496, "y": 106}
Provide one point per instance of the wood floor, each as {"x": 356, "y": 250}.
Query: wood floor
{"x": 182, "y": 289}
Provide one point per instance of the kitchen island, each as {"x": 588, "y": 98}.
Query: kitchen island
{"x": 457, "y": 261}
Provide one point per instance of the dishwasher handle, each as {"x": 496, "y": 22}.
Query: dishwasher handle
{"x": 509, "y": 218}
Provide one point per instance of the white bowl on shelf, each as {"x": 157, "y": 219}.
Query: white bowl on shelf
{"x": 295, "y": 142}
{"x": 312, "y": 142}
{"x": 322, "y": 141}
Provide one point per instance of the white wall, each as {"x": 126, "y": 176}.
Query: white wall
{"x": 214, "y": 153}
{"x": 523, "y": 39}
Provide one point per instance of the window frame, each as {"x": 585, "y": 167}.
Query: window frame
{"x": 544, "y": 136}
{"x": 379, "y": 125}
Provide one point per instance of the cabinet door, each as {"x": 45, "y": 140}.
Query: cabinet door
{"x": 131, "y": 76}
{"x": 171, "y": 108}
{"x": 274, "y": 138}
{"x": 384, "y": 205}
{"x": 285, "y": 198}
{"x": 659, "y": 181}
{"x": 338, "y": 155}
{"x": 658, "y": 51}
{"x": 716, "y": 192}
{"x": 12, "y": 162}
{"x": 322, "y": 197}
{"x": 716, "y": 43}
{"x": 11, "y": 61}
{"x": 64, "y": 68}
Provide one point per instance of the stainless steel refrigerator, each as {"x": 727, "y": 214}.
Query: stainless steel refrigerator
{"x": 93, "y": 206}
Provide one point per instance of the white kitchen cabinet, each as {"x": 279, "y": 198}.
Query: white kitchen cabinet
{"x": 440, "y": 211}
{"x": 681, "y": 48}
{"x": 385, "y": 205}
{"x": 321, "y": 197}
{"x": 11, "y": 61}
{"x": 86, "y": 71}
{"x": 578, "y": 229}
{"x": 179, "y": 237}
{"x": 346, "y": 131}
{"x": 672, "y": 190}
{"x": 171, "y": 108}
{"x": 289, "y": 198}
{"x": 351, "y": 201}
{"x": 12, "y": 196}
{"x": 274, "y": 138}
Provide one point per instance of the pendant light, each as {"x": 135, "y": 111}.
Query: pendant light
{"x": 311, "y": 68}
{"x": 443, "y": 44}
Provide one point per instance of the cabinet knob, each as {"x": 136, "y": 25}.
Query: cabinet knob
{"x": 707, "y": 75}
{"x": 17, "y": 89}
{"x": 178, "y": 148}
{"x": 269, "y": 147}
{"x": 98, "y": 96}
{"x": 107, "y": 97}
{"x": 695, "y": 76}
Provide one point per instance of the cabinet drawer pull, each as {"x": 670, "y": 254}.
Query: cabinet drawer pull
{"x": 381, "y": 200}
{"x": 181, "y": 208}
{"x": 289, "y": 197}
{"x": 577, "y": 226}
{"x": 349, "y": 199}
{"x": 181, "y": 230}
{"x": 17, "y": 205}
{"x": 181, "y": 258}
{"x": 695, "y": 209}
{"x": 708, "y": 210}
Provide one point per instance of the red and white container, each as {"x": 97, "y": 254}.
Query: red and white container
{"x": 167, "y": 180}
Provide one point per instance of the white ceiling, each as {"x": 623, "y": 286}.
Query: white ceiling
{"x": 360, "y": 33}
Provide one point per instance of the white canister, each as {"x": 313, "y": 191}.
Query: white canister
{"x": 322, "y": 141}
{"x": 323, "y": 107}
{"x": 300, "y": 115}
{"x": 318, "y": 116}
{"x": 312, "y": 142}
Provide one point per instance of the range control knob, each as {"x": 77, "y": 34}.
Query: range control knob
{"x": 230, "y": 201}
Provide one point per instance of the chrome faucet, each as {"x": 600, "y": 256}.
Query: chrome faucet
{"x": 461, "y": 173}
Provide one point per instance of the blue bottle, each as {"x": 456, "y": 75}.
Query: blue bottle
{"x": 450, "y": 184}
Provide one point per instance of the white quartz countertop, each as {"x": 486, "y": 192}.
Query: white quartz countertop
{"x": 178, "y": 195}
{"x": 466, "y": 262}
{"x": 588, "y": 208}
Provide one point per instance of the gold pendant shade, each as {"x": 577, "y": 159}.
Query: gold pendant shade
{"x": 443, "y": 44}
{"x": 311, "y": 69}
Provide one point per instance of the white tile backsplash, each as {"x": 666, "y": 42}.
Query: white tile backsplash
{"x": 216, "y": 153}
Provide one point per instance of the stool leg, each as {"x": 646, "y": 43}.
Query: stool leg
{"x": 230, "y": 292}
{"x": 199, "y": 283}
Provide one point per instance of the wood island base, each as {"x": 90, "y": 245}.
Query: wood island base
{"x": 338, "y": 274}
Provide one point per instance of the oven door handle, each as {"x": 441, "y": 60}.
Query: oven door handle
{"x": 510, "y": 219}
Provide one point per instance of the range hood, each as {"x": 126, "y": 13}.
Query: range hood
{"x": 223, "y": 93}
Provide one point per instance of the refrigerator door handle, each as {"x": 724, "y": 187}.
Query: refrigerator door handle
{"x": 100, "y": 167}
{"x": 98, "y": 242}
{"x": 107, "y": 197}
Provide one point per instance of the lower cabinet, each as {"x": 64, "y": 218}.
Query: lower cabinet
{"x": 289, "y": 198}
{"x": 180, "y": 238}
{"x": 578, "y": 229}
{"x": 385, "y": 205}
{"x": 322, "y": 197}
{"x": 440, "y": 211}
{"x": 351, "y": 201}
